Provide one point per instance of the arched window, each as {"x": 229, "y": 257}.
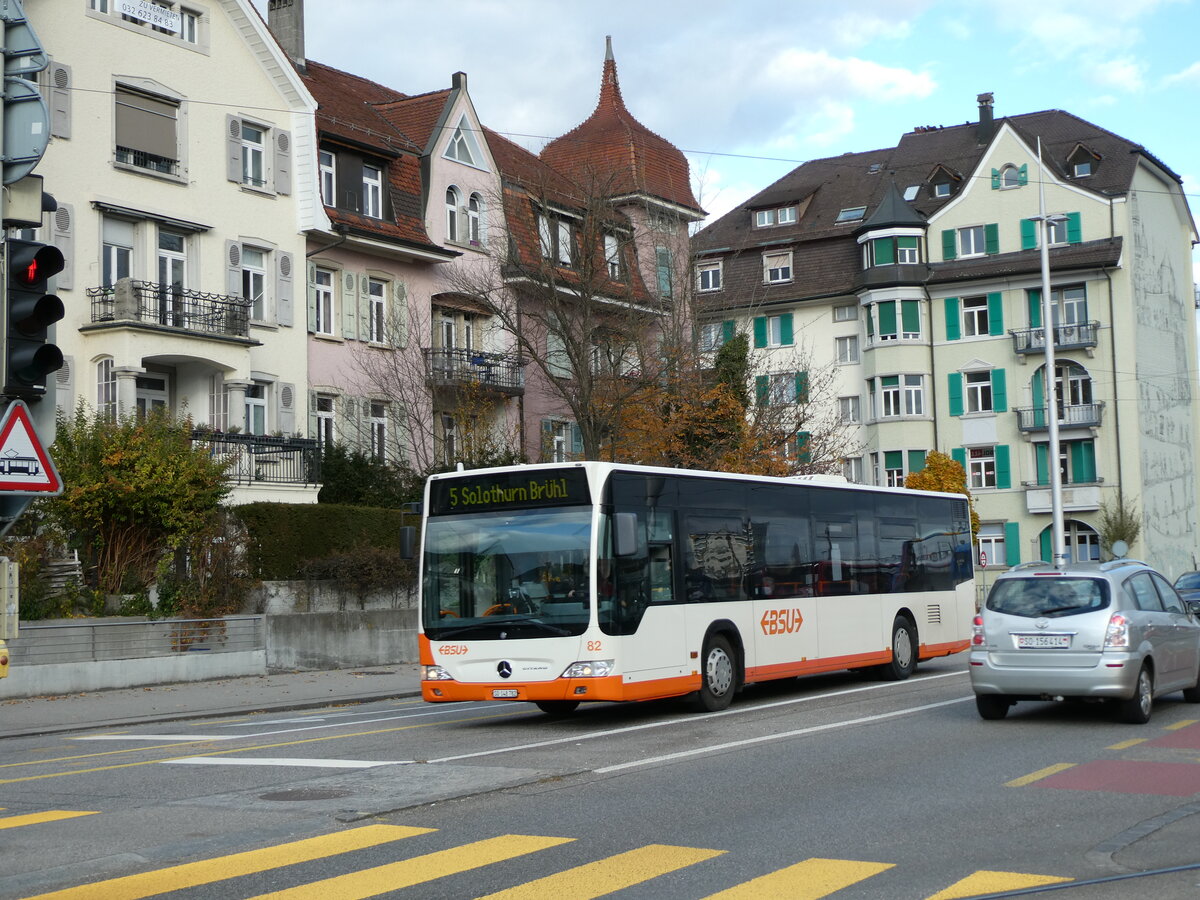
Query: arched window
{"x": 475, "y": 220}
{"x": 452, "y": 203}
{"x": 106, "y": 388}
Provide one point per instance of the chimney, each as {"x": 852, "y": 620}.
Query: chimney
{"x": 987, "y": 126}
{"x": 285, "y": 18}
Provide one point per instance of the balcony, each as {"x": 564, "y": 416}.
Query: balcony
{"x": 1080, "y": 415}
{"x": 173, "y": 308}
{"x": 258, "y": 459}
{"x": 499, "y": 372}
{"x": 1081, "y": 336}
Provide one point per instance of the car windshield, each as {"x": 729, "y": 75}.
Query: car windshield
{"x": 1189, "y": 581}
{"x": 503, "y": 575}
{"x": 1047, "y": 596}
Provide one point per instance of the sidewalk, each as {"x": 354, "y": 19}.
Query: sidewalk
{"x": 201, "y": 699}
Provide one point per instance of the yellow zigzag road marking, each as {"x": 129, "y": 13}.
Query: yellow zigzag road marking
{"x": 420, "y": 869}
{"x": 603, "y": 877}
{"x": 984, "y": 882}
{"x": 51, "y": 815}
{"x": 206, "y": 871}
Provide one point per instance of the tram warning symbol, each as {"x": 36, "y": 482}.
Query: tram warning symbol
{"x": 25, "y": 466}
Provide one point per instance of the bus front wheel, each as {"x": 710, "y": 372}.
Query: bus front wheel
{"x": 904, "y": 651}
{"x": 719, "y": 675}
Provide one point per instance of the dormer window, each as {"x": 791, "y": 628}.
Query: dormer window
{"x": 783, "y": 215}
{"x": 851, "y": 214}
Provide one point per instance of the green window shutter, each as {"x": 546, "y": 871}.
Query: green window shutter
{"x": 991, "y": 238}
{"x": 803, "y": 450}
{"x": 955, "y": 393}
{"x": 959, "y": 455}
{"x": 1028, "y": 234}
{"x": 999, "y": 391}
{"x": 885, "y": 251}
{"x": 1074, "y": 228}
{"x": 760, "y": 332}
{"x": 760, "y": 389}
{"x": 995, "y": 306}
{"x": 1012, "y": 543}
{"x": 1041, "y": 458}
{"x": 949, "y": 244}
{"x": 576, "y": 441}
{"x": 887, "y": 318}
{"x": 785, "y": 329}
{"x": 1083, "y": 462}
{"x": 953, "y": 320}
{"x": 893, "y": 459}
{"x": 916, "y": 460}
{"x": 995, "y": 179}
{"x": 1035, "y": 307}
{"x": 910, "y": 316}
{"x": 1023, "y": 174}
{"x": 1003, "y": 469}
{"x": 728, "y": 330}
{"x": 801, "y": 387}
{"x": 1044, "y": 543}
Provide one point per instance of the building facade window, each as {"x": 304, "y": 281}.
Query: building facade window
{"x": 323, "y": 280}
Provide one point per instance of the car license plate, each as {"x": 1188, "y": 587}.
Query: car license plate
{"x": 504, "y": 694}
{"x": 1043, "y": 641}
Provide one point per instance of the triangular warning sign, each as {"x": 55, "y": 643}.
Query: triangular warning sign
{"x": 25, "y": 466}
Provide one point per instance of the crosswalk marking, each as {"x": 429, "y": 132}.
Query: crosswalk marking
{"x": 207, "y": 871}
{"x": 808, "y": 880}
{"x": 418, "y": 870}
{"x": 603, "y": 877}
{"x": 50, "y": 815}
{"x": 984, "y": 882}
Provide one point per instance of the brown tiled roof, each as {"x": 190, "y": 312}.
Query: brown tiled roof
{"x": 614, "y": 149}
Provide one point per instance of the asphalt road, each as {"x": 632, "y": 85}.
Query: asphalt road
{"x": 835, "y": 786}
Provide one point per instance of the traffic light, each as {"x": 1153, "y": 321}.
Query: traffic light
{"x": 30, "y": 310}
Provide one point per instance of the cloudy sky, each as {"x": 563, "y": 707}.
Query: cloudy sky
{"x": 750, "y": 89}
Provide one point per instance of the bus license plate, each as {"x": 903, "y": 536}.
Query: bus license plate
{"x": 504, "y": 694}
{"x": 1043, "y": 641}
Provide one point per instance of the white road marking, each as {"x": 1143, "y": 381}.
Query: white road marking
{"x": 283, "y": 761}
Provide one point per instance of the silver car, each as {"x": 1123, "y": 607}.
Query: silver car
{"x": 1116, "y": 631}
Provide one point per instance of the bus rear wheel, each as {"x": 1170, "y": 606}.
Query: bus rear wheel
{"x": 718, "y": 679}
{"x": 904, "y": 651}
{"x": 557, "y": 708}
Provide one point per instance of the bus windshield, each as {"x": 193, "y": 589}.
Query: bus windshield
{"x": 504, "y": 575}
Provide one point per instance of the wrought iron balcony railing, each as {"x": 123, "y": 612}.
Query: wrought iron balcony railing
{"x": 1079, "y": 415}
{"x": 263, "y": 459}
{"x": 465, "y": 368}
{"x": 168, "y": 306}
{"x": 1066, "y": 337}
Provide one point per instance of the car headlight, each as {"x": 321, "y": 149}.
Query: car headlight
{"x": 435, "y": 673}
{"x": 589, "y": 668}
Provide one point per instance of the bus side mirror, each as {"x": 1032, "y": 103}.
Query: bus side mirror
{"x": 625, "y": 541}
{"x": 408, "y": 542}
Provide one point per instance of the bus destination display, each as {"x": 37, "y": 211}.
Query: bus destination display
{"x": 508, "y": 490}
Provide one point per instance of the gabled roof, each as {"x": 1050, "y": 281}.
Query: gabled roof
{"x": 613, "y": 148}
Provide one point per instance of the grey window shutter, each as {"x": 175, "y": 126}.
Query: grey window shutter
{"x": 400, "y": 312}
{"x": 233, "y": 270}
{"x": 287, "y": 408}
{"x": 58, "y": 89}
{"x": 284, "y": 314}
{"x": 349, "y": 305}
{"x": 283, "y": 162}
{"x": 233, "y": 148}
{"x": 63, "y": 237}
{"x": 312, "y": 299}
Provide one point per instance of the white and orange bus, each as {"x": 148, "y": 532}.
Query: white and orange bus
{"x": 562, "y": 583}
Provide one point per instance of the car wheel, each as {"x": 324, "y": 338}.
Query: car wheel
{"x": 557, "y": 708}
{"x": 904, "y": 651}
{"x": 992, "y": 706}
{"x": 1136, "y": 710}
{"x": 718, "y": 678}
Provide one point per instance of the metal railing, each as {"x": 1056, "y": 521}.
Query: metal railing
{"x": 1079, "y": 415}
{"x": 263, "y": 459}
{"x": 170, "y": 306}
{"x": 73, "y": 642}
{"x": 1066, "y": 337}
{"x": 460, "y": 368}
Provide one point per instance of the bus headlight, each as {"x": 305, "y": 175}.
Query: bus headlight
{"x": 589, "y": 668}
{"x": 435, "y": 673}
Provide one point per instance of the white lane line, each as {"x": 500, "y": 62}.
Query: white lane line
{"x": 281, "y": 761}
{"x": 156, "y": 737}
{"x": 690, "y": 719}
{"x": 814, "y": 729}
